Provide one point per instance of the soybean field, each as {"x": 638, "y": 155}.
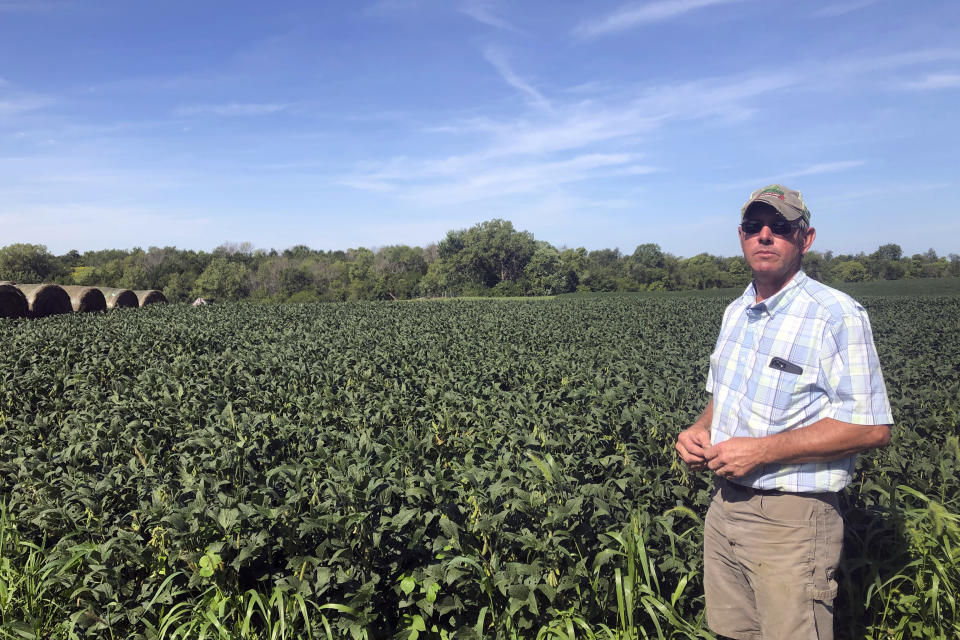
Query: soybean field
{"x": 456, "y": 469}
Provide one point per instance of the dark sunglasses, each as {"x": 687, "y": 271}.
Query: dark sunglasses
{"x": 778, "y": 227}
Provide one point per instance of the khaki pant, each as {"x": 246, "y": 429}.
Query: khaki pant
{"x": 769, "y": 563}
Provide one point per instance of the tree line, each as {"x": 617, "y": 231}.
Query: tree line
{"x": 489, "y": 259}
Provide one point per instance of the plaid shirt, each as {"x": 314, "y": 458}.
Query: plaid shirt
{"x": 827, "y": 368}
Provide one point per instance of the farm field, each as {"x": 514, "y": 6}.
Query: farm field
{"x": 456, "y": 469}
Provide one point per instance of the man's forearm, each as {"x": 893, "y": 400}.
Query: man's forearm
{"x": 822, "y": 441}
{"x": 706, "y": 417}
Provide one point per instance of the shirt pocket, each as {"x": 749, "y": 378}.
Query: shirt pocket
{"x": 785, "y": 388}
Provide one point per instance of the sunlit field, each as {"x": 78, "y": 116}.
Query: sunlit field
{"x": 467, "y": 469}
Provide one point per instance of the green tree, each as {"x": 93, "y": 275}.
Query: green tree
{"x": 362, "y": 282}
{"x": 29, "y": 263}
{"x": 737, "y": 270}
{"x": 954, "y": 269}
{"x": 398, "y": 270}
{"x": 647, "y": 263}
{"x": 439, "y": 280}
{"x": 702, "y": 271}
{"x": 549, "y": 274}
{"x": 294, "y": 279}
{"x": 816, "y": 265}
{"x": 135, "y": 276}
{"x": 888, "y": 252}
{"x": 487, "y": 253}
{"x": 223, "y": 280}
{"x": 603, "y": 268}
{"x": 849, "y": 271}
{"x": 179, "y": 287}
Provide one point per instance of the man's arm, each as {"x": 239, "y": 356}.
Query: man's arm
{"x": 822, "y": 441}
{"x": 693, "y": 442}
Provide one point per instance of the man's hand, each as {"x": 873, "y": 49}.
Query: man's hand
{"x": 692, "y": 444}
{"x": 825, "y": 440}
{"x": 736, "y": 457}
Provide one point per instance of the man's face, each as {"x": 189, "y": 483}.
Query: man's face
{"x": 769, "y": 255}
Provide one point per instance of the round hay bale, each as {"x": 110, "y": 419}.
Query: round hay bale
{"x": 86, "y": 298}
{"x": 13, "y": 304}
{"x": 119, "y": 298}
{"x": 46, "y": 299}
{"x": 150, "y": 296}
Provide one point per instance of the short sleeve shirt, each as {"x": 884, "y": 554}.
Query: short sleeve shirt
{"x": 804, "y": 354}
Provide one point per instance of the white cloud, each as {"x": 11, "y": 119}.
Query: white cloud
{"x": 17, "y": 105}
{"x": 839, "y": 8}
{"x": 824, "y": 167}
{"x": 860, "y": 65}
{"x": 458, "y": 180}
{"x": 619, "y": 118}
{"x": 502, "y": 65}
{"x": 14, "y": 102}
{"x": 483, "y": 11}
{"x": 935, "y": 81}
{"x": 538, "y": 152}
{"x": 815, "y": 169}
{"x": 633, "y": 15}
{"x": 603, "y": 135}
{"x": 232, "y": 109}
{"x": 884, "y": 191}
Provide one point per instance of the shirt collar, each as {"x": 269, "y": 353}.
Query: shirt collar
{"x": 778, "y": 300}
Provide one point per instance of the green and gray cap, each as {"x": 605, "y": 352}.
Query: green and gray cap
{"x": 787, "y": 202}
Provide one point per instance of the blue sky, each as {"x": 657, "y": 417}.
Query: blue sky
{"x": 369, "y": 123}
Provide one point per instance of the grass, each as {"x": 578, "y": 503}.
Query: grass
{"x": 900, "y": 579}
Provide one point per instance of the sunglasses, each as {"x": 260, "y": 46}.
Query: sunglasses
{"x": 778, "y": 227}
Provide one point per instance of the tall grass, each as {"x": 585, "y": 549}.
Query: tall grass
{"x": 900, "y": 579}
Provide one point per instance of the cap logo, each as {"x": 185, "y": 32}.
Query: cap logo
{"x": 772, "y": 190}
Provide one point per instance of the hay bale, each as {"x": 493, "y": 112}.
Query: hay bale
{"x": 13, "y": 304}
{"x": 46, "y": 299}
{"x": 119, "y": 298}
{"x": 86, "y": 298}
{"x": 150, "y": 296}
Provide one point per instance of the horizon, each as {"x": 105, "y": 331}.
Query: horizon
{"x": 231, "y": 248}
{"x": 392, "y": 122}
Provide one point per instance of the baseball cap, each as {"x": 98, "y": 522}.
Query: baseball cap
{"x": 787, "y": 202}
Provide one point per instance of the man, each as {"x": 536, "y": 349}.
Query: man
{"x": 797, "y": 392}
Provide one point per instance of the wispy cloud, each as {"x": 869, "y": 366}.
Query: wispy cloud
{"x": 823, "y": 167}
{"x": 603, "y": 136}
{"x": 935, "y": 81}
{"x": 864, "y": 64}
{"x": 811, "y": 170}
{"x": 886, "y": 190}
{"x": 633, "y": 15}
{"x": 621, "y": 117}
{"x": 420, "y": 183}
{"x": 839, "y": 8}
{"x": 483, "y": 11}
{"x": 499, "y": 61}
{"x": 18, "y": 103}
{"x": 232, "y": 109}
{"x": 14, "y": 101}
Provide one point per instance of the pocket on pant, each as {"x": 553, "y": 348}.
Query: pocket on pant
{"x": 790, "y": 508}
{"x": 823, "y": 592}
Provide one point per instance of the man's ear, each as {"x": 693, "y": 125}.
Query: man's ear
{"x": 808, "y": 239}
